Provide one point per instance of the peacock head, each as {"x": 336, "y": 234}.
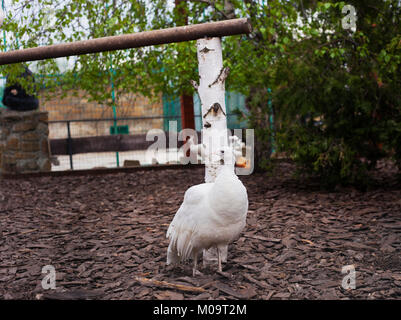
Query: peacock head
{"x": 227, "y": 156}
{"x": 230, "y": 157}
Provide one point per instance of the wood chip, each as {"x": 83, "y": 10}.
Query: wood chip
{"x": 165, "y": 284}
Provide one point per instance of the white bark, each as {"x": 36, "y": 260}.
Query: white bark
{"x": 212, "y": 93}
{"x": 211, "y": 90}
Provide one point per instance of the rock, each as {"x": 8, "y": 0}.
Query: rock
{"x": 30, "y": 136}
{"x": 44, "y": 147}
{"x": 22, "y": 155}
{"x": 30, "y": 146}
{"x": 132, "y": 163}
{"x": 24, "y": 126}
{"x": 13, "y": 143}
{"x": 27, "y": 165}
{"x": 43, "y": 128}
{"x": 44, "y": 165}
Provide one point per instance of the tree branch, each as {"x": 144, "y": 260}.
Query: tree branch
{"x": 222, "y": 76}
{"x": 227, "y": 5}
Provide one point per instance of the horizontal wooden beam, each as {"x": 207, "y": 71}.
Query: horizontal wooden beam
{"x": 100, "y": 171}
{"x": 127, "y": 41}
{"x": 112, "y": 143}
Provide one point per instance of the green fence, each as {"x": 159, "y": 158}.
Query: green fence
{"x": 1, "y": 97}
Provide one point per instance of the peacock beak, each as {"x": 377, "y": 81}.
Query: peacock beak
{"x": 240, "y": 163}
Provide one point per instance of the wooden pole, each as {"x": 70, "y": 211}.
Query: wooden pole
{"x": 127, "y": 41}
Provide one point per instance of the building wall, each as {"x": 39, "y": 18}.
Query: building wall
{"x": 78, "y": 107}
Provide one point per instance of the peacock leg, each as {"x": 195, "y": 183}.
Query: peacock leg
{"x": 194, "y": 271}
{"x": 219, "y": 259}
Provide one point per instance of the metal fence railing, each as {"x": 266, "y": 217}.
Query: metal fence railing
{"x": 108, "y": 142}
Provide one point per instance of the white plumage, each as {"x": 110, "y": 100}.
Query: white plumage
{"x": 212, "y": 214}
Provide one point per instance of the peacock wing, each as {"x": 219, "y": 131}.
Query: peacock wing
{"x": 186, "y": 221}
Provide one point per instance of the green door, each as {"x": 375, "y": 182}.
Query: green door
{"x": 171, "y": 112}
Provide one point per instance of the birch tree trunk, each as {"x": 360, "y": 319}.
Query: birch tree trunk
{"x": 211, "y": 90}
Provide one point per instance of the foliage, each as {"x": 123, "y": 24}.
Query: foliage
{"x": 336, "y": 92}
{"x": 339, "y": 94}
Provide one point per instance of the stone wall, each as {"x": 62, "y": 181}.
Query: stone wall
{"x": 24, "y": 142}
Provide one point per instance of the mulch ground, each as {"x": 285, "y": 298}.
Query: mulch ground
{"x": 105, "y": 237}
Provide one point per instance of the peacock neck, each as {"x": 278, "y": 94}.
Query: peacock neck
{"x": 226, "y": 170}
